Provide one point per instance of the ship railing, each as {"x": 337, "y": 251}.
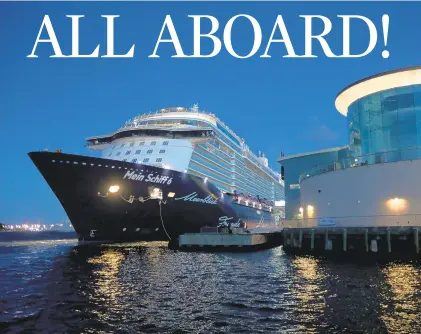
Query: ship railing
{"x": 406, "y": 154}
{"x": 258, "y": 163}
{"x": 402, "y": 221}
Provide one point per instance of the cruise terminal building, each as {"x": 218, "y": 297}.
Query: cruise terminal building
{"x": 376, "y": 178}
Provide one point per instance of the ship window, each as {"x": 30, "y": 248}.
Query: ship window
{"x": 124, "y": 160}
{"x": 131, "y": 144}
{"x": 165, "y": 142}
{"x": 146, "y": 160}
{"x": 134, "y": 160}
{"x": 114, "y": 147}
{"x": 109, "y": 155}
{"x": 138, "y": 151}
{"x": 128, "y": 152}
{"x": 158, "y": 160}
{"x": 141, "y": 143}
{"x": 122, "y": 145}
{"x": 118, "y": 153}
{"x": 153, "y": 143}
{"x": 149, "y": 152}
{"x": 161, "y": 151}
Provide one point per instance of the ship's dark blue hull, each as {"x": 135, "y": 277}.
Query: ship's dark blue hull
{"x": 109, "y": 200}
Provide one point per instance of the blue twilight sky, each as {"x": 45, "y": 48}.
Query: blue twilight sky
{"x": 275, "y": 104}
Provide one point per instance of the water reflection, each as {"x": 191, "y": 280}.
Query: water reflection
{"x": 401, "y": 293}
{"x": 144, "y": 287}
{"x": 309, "y": 291}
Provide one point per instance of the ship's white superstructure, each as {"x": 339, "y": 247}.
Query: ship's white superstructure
{"x": 194, "y": 142}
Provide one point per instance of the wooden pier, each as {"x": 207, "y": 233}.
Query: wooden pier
{"x": 372, "y": 242}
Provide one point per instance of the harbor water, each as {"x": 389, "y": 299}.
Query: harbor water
{"x": 56, "y": 286}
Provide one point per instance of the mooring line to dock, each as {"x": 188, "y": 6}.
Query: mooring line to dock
{"x": 162, "y": 220}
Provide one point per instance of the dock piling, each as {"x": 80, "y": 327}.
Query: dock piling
{"x": 345, "y": 239}
{"x": 416, "y": 241}
{"x": 389, "y": 242}
{"x": 312, "y": 239}
{"x": 300, "y": 240}
{"x": 366, "y": 239}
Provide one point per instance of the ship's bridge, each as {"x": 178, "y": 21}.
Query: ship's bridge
{"x": 171, "y": 123}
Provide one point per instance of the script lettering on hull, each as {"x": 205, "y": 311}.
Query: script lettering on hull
{"x": 225, "y": 222}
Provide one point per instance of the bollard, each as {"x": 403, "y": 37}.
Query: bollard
{"x": 389, "y": 242}
{"x": 416, "y": 241}
{"x": 312, "y": 240}
{"x": 345, "y": 239}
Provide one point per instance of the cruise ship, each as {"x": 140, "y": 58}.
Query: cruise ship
{"x": 163, "y": 174}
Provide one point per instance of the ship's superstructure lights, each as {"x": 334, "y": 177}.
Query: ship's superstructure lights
{"x": 171, "y": 194}
{"x": 114, "y": 188}
{"x": 301, "y": 210}
{"x": 206, "y": 179}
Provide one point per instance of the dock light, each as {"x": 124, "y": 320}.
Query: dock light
{"x": 113, "y": 189}
{"x": 171, "y": 194}
{"x": 301, "y": 210}
{"x": 397, "y": 205}
{"x": 310, "y": 211}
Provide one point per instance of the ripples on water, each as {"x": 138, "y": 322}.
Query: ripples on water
{"x": 57, "y": 286}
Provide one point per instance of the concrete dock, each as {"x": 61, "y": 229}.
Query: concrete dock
{"x": 401, "y": 243}
{"x": 238, "y": 241}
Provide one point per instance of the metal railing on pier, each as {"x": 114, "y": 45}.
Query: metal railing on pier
{"x": 412, "y": 153}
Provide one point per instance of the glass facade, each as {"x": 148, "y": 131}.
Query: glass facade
{"x": 295, "y": 167}
{"x": 385, "y": 121}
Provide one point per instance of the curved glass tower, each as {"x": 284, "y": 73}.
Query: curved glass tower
{"x": 385, "y": 121}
